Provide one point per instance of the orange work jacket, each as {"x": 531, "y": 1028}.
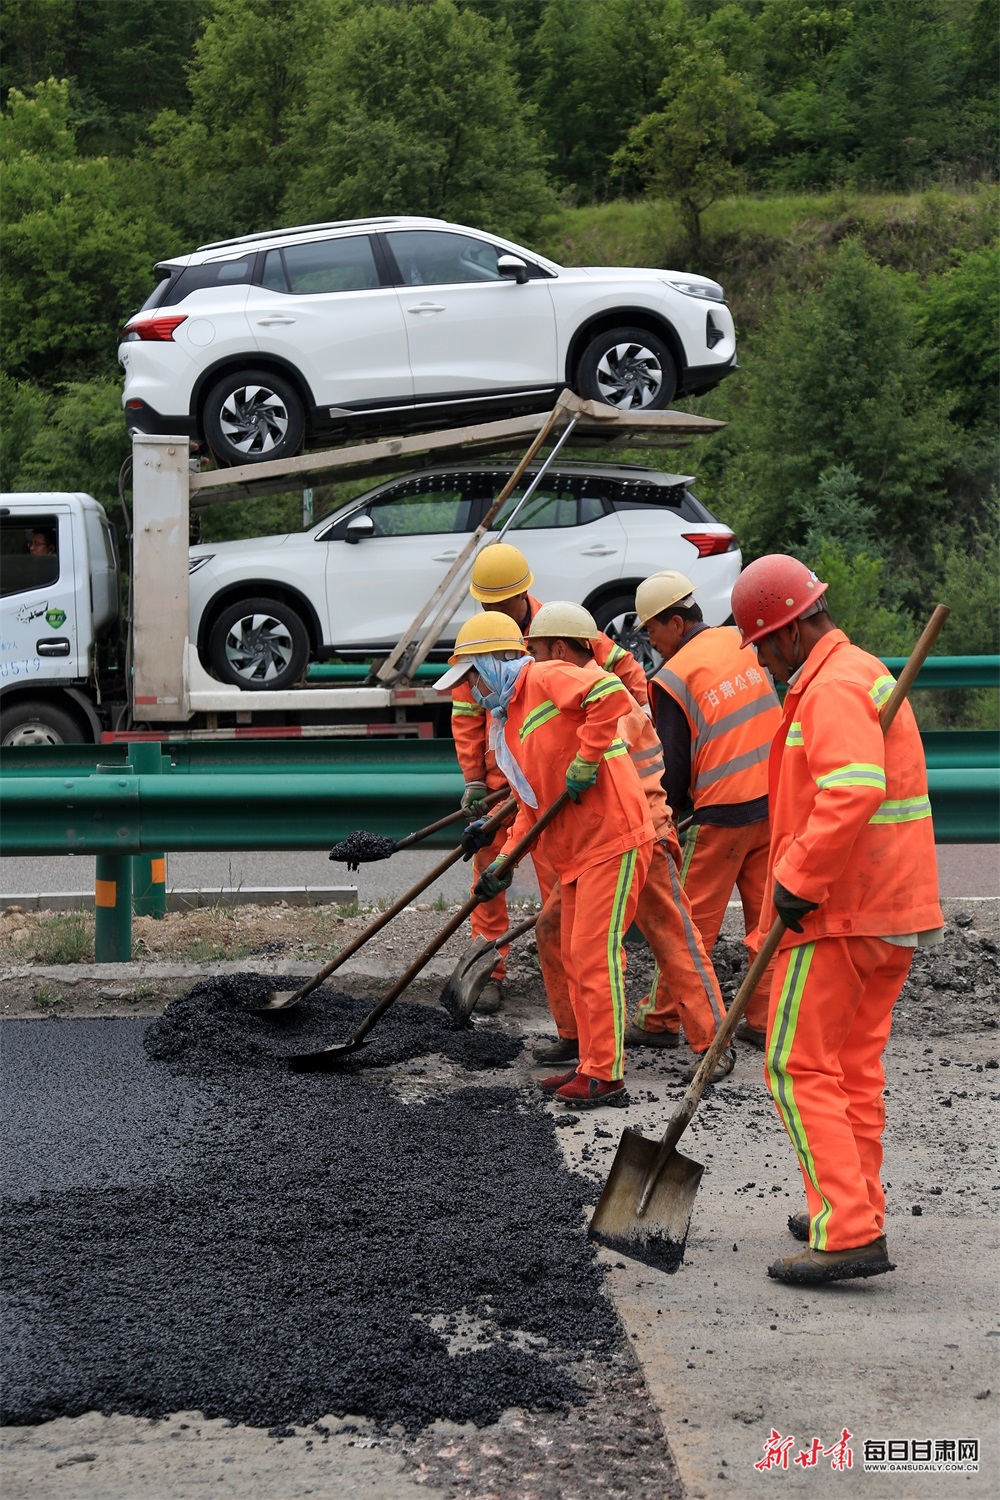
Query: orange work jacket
{"x": 470, "y": 722}
{"x": 646, "y": 754}
{"x": 732, "y": 711}
{"x": 850, "y": 815}
{"x": 559, "y": 711}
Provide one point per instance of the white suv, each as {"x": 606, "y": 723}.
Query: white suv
{"x": 351, "y": 585}
{"x": 257, "y": 343}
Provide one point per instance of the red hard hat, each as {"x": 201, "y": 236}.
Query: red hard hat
{"x": 772, "y": 592}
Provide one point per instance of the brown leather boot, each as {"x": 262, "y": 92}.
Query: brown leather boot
{"x": 798, "y": 1225}
{"x": 812, "y": 1267}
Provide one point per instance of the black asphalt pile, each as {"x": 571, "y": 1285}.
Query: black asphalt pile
{"x": 952, "y": 986}
{"x": 213, "y": 1028}
{"x": 361, "y": 847}
{"x": 281, "y": 1254}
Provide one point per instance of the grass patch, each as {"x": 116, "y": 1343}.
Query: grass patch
{"x": 60, "y": 939}
{"x": 46, "y": 998}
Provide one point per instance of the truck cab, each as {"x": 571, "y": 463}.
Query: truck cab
{"x": 59, "y": 601}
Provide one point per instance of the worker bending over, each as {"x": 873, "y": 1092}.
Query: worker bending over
{"x": 565, "y": 632}
{"x": 852, "y": 873}
{"x": 501, "y": 579}
{"x": 560, "y": 722}
{"x": 716, "y": 715}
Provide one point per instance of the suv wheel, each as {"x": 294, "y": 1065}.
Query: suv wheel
{"x": 618, "y": 619}
{"x": 258, "y": 644}
{"x": 252, "y": 416}
{"x": 628, "y": 368}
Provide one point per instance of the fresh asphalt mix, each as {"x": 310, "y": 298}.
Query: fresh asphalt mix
{"x": 193, "y": 1227}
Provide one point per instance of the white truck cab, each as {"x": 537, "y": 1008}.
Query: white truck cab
{"x": 58, "y": 600}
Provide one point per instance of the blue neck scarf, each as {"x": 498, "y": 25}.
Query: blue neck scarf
{"x": 502, "y": 678}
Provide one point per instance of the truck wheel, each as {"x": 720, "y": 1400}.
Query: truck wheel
{"x": 258, "y": 643}
{"x": 618, "y": 619}
{"x": 252, "y": 416}
{"x": 628, "y": 368}
{"x": 31, "y": 722}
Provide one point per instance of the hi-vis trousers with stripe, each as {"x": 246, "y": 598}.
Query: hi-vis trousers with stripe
{"x": 829, "y": 1019}
{"x": 597, "y": 908}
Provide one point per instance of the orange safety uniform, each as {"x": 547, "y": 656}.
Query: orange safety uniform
{"x": 687, "y": 982}
{"x": 470, "y": 730}
{"x": 850, "y": 829}
{"x": 599, "y": 847}
{"x": 730, "y": 712}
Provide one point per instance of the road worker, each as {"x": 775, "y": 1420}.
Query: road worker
{"x": 562, "y": 722}
{"x": 716, "y": 715}
{"x": 852, "y": 873}
{"x": 663, "y": 913}
{"x": 501, "y": 578}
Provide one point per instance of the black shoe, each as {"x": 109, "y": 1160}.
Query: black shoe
{"x": 490, "y": 998}
{"x": 752, "y": 1038}
{"x": 565, "y": 1049}
{"x": 638, "y": 1036}
{"x": 798, "y": 1225}
{"x": 813, "y": 1267}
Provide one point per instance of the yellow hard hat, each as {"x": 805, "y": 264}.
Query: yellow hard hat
{"x": 500, "y": 571}
{"x": 659, "y": 592}
{"x": 563, "y": 619}
{"x": 485, "y": 633}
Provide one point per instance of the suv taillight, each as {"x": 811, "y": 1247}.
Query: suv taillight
{"x": 155, "y": 330}
{"x": 710, "y": 543}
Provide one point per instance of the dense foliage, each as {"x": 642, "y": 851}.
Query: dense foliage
{"x": 833, "y": 162}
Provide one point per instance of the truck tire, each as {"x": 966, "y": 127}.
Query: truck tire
{"x": 252, "y": 416}
{"x": 616, "y": 616}
{"x": 34, "y": 722}
{"x": 628, "y": 368}
{"x": 258, "y": 644}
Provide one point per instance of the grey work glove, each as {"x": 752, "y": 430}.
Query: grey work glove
{"x": 473, "y": 797}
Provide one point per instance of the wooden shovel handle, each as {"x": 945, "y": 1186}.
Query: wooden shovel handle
{"x": 455, "y": 817}
{"x": 918, "y": 656}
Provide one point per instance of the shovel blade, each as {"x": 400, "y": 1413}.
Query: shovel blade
{"x": 659, "y": 1237}
{"x": 276, "y": 1000}
{"x": 466, "y": 981}
{"x": 325, "y": 1061}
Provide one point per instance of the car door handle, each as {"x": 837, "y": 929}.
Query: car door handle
{"x": 269, "y": 322}
{"x": 427, "y": 307}
{"x": 56, "y": 645}
{"x": 445, "y": 556}
{"x": 598, "y": 551}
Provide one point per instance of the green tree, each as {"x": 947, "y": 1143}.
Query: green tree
{"x": 23, "y": 409}
{"x": 415, "y": 109}
{"x": 80, "y": 445}
{"x": 688, "y": 149}
{"x": 960, "y": 313}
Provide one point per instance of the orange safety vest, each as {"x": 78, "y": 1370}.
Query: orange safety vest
{"x": 559, "y": 711}
{"x": 732, "y": 711}
{"x": 850, "y": 814}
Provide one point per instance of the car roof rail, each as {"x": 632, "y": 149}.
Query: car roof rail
{"x": 275, "y": 234}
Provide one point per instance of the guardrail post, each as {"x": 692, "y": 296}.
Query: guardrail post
{"x": 113, "y": 898}
{"x": 149, "y": 871}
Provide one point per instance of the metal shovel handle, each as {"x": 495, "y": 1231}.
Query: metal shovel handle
{"x": 455, "y": 817}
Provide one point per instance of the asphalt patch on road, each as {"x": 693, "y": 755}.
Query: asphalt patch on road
{"x": 306, "y": 1245}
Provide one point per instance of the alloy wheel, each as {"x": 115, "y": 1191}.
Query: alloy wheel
{"x": 253, "y": 419}
{"x": 629, "y": 376}
{"x": 258, "y": 647}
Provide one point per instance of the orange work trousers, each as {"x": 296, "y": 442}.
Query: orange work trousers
{"x": 597, "y": 909}
{"x": 715, "y": 860}
{"x": 490, "y": 919}
{"x": 831, "y": 1009}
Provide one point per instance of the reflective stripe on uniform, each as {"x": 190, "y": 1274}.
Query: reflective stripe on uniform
{"x": 855, "y": 773}
{"x": 881, "y": 690}
{"x": 679, "y": 689}
{"x": 691, "y": 838}
{"x": 626, "y": 874}
{"x": 538, "y": 716}
{"x": 604, "y": 687}
{"x": 614, "y": 655}
{"x": 905, "y": 810}
{"x": 779, "y": 1079}
{"x": 689, "y": 937}
{"x": 617, "y": 747}
{"x": 729, "y": 767}
{"x": 731, "y": 720}
{"x": 470, "y": 710}
{"x": 794, "y": 735}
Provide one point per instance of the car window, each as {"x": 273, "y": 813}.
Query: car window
{"x": 218, "y": 273}
{"x": 563, "y": 502}
{"x": 29, "y": 553}
{"x": 346, "y": 265}
{"x": 662, "y": 497}
{"x": 431, "y": 257}
{"x": 423, "y": 507}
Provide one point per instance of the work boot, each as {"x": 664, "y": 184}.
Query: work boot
{"x": 583, "y": 1092}
{"x": 638, "y": 1036}
{"x": 813, "y": 1267}
{"x": 490, "y": 998}
{"x": 557, "y": 1081}
{"x": 722, "y": 1069}
{"x": 752, "y": 1037}
{"x": 798, "y": 1225}
{"x": 563, "y": 1050}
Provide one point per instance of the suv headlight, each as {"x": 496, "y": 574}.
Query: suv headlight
{"x": 708, "y": 291}
{"x": 194, "y": 563}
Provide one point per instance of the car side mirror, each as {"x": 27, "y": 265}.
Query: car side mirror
{"x": 359, "y": 527}
{"x": 513, "y": 268}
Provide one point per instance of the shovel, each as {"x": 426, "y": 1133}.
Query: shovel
{"x": 283, "y": 999}
{"x": 363, "y": 848}
{"x": 645, "y": 1208}
{"x": 472, "y": 972}
{"x": 330, "y": 1057}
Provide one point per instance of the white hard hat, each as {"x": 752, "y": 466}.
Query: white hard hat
{"x": 563, "y": 619}
{"x": 660, "y": 592}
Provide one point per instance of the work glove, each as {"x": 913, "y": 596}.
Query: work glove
{"x": 474, "y": 838}
{"x": 790, "y": 908}
{"x": 493, "y": 880}
{"x": 580, "y": 776}
{"x": 473, "y": 797}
